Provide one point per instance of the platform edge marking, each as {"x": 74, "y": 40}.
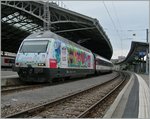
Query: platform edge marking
{"x": 144, "y": 104}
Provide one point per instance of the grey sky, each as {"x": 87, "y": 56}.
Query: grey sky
{"x": 127, "y": 15}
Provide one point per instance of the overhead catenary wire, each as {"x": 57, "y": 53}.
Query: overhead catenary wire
{"x": 111, "y": 19}
{"x": 118, "y": 21}
{"x": 113, "y": 24}
{"x": 120, "y": 26}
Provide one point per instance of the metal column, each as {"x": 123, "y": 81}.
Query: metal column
{"x": 147, "y": 51}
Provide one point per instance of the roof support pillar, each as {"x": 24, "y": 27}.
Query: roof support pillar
{"x": 147, "y": 51}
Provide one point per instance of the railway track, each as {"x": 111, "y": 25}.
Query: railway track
{"x": 78, "y": 104}
{"x": 17, "y": 88}
{"x": 9, "y": 89}
{"x": 98, "y": 109}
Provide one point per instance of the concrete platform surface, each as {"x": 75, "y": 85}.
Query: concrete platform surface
{"x": 8, "y": 73}
{"x": 9, "y": 78}
{"x": 133, "y": 101}
{"x": 146, "y": 78}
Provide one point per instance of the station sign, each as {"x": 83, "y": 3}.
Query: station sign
{"x": 142, "y": 54}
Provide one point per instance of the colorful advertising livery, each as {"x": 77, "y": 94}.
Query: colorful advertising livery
{"x": 44, "y": 56}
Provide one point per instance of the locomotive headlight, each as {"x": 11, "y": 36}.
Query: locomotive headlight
{"x": 41, "y": 64}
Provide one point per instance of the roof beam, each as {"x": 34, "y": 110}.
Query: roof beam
{"x": 79, "y": 29}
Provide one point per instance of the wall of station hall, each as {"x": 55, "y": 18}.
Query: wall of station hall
{"x": 138, "y": 68}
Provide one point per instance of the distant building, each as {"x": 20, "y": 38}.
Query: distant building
{"x": 121, "y": 58}
{"x": 114, "y": 60}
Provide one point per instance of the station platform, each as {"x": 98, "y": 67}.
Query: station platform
{"x": 133, "y": 101}
{"x": 8, "y": 73}
{"x": 9, "y": 78}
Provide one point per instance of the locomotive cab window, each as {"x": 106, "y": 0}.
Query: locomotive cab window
{"x": 34, "y": 47}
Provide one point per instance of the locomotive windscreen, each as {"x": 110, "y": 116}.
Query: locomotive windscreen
{"x": 34, "y": 46}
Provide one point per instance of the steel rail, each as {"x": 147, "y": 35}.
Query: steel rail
{"x": 19, "y": 88}
{"x": 94, "y": 106}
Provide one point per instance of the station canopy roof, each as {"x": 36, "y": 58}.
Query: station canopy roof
{"x": 21, "y": 18}
{"x": 138, "y": 50}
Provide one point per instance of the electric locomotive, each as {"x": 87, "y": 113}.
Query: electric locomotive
{"x": 44, "y": 56}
